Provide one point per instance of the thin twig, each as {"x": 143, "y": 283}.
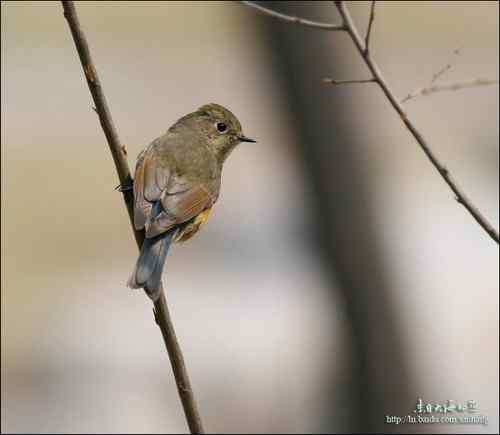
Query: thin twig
{"x": 432, "y": 88}
{"x": 370, "y": 24}
{"x": 445, "y": 69}
{"x": 441, "y": 72}
{"x": 460, "y": 195}
{"x": 294, "y": 20}
{"x": 162, "y": 315}
{"x": 448, "y": 87}
{"x": 330, "y": 81}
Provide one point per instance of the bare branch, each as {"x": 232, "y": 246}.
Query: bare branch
{"x": 422, "y": 142}
{"x": 329, "y": 81}
{"x": 455, "y": 86}
{"x": 370, "y": 24}
{"x": 291, "y": 19}
{"x": 441, "y": 72}
{"x": 162, "y": 316}
{"x": 348, "y": 26}
{"x": 445, "y": 69}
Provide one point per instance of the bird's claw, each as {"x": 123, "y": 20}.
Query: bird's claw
{"x": 124, "y": 188}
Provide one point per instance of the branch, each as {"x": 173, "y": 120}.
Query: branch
{"x": 432, "y": 88}
{"x": 441, "y": 72}
{"x": 162, "y": 316}
{"x": 291, "y": 19}
{"x": 370, "y": 24}
{"x": 348, "y": 26}
{"x": 329, "y": 81}
{"x": 460, "y": 195}
{"x": 446, "y": 68}
{"x": 448, "y": 87}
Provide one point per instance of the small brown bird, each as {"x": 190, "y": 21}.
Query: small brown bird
{"x": 177, "y": 181}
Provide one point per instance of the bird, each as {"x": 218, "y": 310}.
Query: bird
{"x": 177, "y": 181}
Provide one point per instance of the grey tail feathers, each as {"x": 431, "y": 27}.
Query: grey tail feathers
{"x": 148, "y": 270}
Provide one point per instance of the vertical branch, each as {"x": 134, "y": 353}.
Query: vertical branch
{"x": 161, "y": 313}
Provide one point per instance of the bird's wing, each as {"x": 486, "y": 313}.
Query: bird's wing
{"x": 149, "y": 183}
{"x": 181, "y": 201}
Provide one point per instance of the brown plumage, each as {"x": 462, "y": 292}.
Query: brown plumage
{"x": 177, "y": 181}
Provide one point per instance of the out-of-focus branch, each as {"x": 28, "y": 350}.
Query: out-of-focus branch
{"x": 445, "y": 68}
{"x": 434, "y": 87}
{"x": 293, "y": 20}
{"x": 455, "y": 86}
{"x": 330, "y": 81}
{"x": 161, "y": 313}
{"x": 441, "y": 72}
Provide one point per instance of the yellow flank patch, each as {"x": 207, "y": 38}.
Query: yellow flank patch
{"x": 188, "y": 230}
{"x": 202, "y": 217}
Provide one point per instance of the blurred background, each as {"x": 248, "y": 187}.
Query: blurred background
{"x": 337, "y": 281}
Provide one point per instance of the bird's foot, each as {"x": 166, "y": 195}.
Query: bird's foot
{"x": 124, "y": 187}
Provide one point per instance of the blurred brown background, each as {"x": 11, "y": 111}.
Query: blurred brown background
{"x": 268, "y": 297}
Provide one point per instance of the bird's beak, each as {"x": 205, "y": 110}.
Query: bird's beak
{"x": 243, "y": 138}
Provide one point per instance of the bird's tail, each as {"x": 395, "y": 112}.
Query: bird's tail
{"x": 148, "y": 270}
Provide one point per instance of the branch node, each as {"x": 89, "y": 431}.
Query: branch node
{"x": 89, "y": 73}
{"x": 454, "y": 86}
{"x": 292, "y": 19}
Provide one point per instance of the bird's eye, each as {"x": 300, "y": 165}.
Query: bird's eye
{"x": 221, "y": 127}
